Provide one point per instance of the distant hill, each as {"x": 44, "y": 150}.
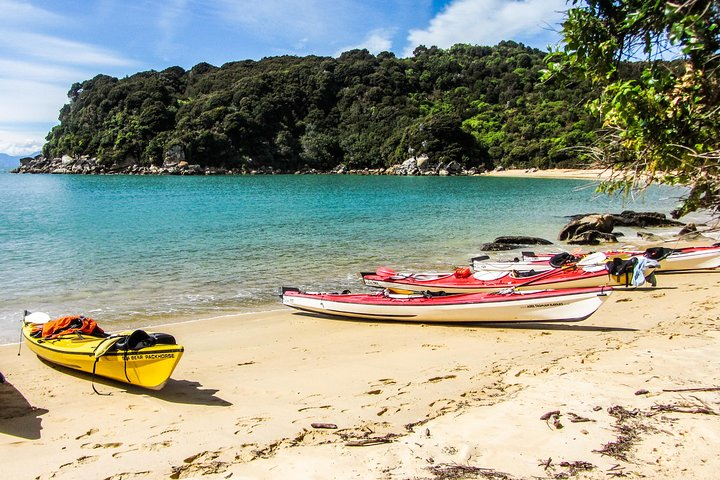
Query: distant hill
{"x": 8, "y": 162}
{"x": 476, "y": 106}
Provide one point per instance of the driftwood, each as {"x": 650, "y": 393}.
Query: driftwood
{"x": 706, "y": 389}
{"x": 364, "y": 442}
{"x": 686, "y": 407}
{"x": 547, "y": 415}
{"x": 323, "y": 425}
{"x": 575, "y": 418}
{"x": 679, "y": 409}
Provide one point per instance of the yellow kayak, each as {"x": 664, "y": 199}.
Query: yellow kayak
{"x": 135, "y": 357}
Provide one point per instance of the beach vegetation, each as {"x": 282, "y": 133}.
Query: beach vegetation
{"x": 655, "y": 67}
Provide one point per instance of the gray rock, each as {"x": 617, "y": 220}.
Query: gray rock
{"x": 592, "y": 237}
{"x": 599, "y": 222}
{"x": 522, "y": 240}
{"x": 408, "y": 167}
{"x": 629, "y": 218}
{"x": 173, "y": 156}
{"x": 423, "y": 163}
{"x": 689, "y": 228}
{"x": 649, "y": 236}
{"x": 453, "y": 167}
{"x": 496, "y": 247}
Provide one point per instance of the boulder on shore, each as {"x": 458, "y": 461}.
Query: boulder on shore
{"x": 497, "y": 247}
{"x": 629, "y": 218}
{"x": 512, "y": 242}
{"x": 602, "y": 223}
{"x": 522, "y": 240}
{"x": 592, "y": 237}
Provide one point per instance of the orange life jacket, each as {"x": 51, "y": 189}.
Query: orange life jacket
{"x": 70, "y": 324}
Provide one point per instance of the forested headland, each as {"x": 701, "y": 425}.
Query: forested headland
{"x": 479, "y": 106}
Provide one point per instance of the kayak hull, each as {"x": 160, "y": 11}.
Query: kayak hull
{"x": 538, "y": 306}
{"x": 148, "y": 367}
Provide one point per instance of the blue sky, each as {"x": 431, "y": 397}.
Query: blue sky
{"x": 47, "y": 45}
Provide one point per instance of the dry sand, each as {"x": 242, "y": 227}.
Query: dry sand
{"x": 422, "y": 401}
{"x": 586, "y": 174}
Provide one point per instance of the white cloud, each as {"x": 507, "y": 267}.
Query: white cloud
{"x": 30, "y": 101}
{"x": 278, "y": 18}
{"x": 316, "y": 26}
{"x": 20, "y": 69}
{"x": 173, "y": 16}
{"x": 36, "y": 71}
{"x": 25, "y": 142}
{"x": 18, "y": 12}
{"x": 376, "y": 41}
{"x": 487, "y": 22}
{"x": 59, "y": 50}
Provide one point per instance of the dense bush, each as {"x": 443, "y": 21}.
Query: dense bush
{"x": 480, "y": 106}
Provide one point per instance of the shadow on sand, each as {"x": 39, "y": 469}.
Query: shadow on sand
{"x": 17, "y": 417}
{"x": 175, "y": 391}
{"x": 566, "y": 325}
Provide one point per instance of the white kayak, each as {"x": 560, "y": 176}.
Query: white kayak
{"x": 565, "y": 305}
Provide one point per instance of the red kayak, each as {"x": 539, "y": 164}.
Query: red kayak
{"x": 617, "y": 273}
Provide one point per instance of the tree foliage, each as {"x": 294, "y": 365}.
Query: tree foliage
{"x": 660, "y": 119}
{"x": 480, "y": 106}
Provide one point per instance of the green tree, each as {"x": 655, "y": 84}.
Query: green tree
{"x": 661, "y": 124}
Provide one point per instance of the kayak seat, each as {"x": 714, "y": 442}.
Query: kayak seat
{"x": 523, "y": 273}
{"x": 141, "y": 339}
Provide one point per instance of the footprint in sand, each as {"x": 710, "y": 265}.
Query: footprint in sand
{"x": 101, "y": 445}
{"x": 164, "y": 432}
{"x": 86, "y": 459}
{"x": 92, "y": 431}
{"x": 120, "y": 454}
{"x": 154, "y": 447}
{"x": 440, "y": 379}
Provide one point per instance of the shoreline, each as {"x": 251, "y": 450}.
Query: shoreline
{"x": 89, "y": 166}
{"x": 408, "y": 400}
{"x": 598, "y": 174}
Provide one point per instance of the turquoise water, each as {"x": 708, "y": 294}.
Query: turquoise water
{"x": 132, "y": 251}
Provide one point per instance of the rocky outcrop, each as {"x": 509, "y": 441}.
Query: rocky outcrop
{"x": 512, "y": 242}
{"x": 90, "y": 166}
{"x": 522, "y": 240}
{"x": 497, "y": 247}
{"x": 423, "y": 165}
{"x": 629, "y": 218}
{"x": 594, "y": 228}
{"x": 649, "y": 237}
{"x": 174, "y": 162}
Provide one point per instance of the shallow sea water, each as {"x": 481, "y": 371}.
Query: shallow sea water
{"x": 132, "y": 251}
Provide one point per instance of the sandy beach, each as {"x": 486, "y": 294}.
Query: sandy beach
{"x": 597, "y": 174}
{"x": 632, "y": 391}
